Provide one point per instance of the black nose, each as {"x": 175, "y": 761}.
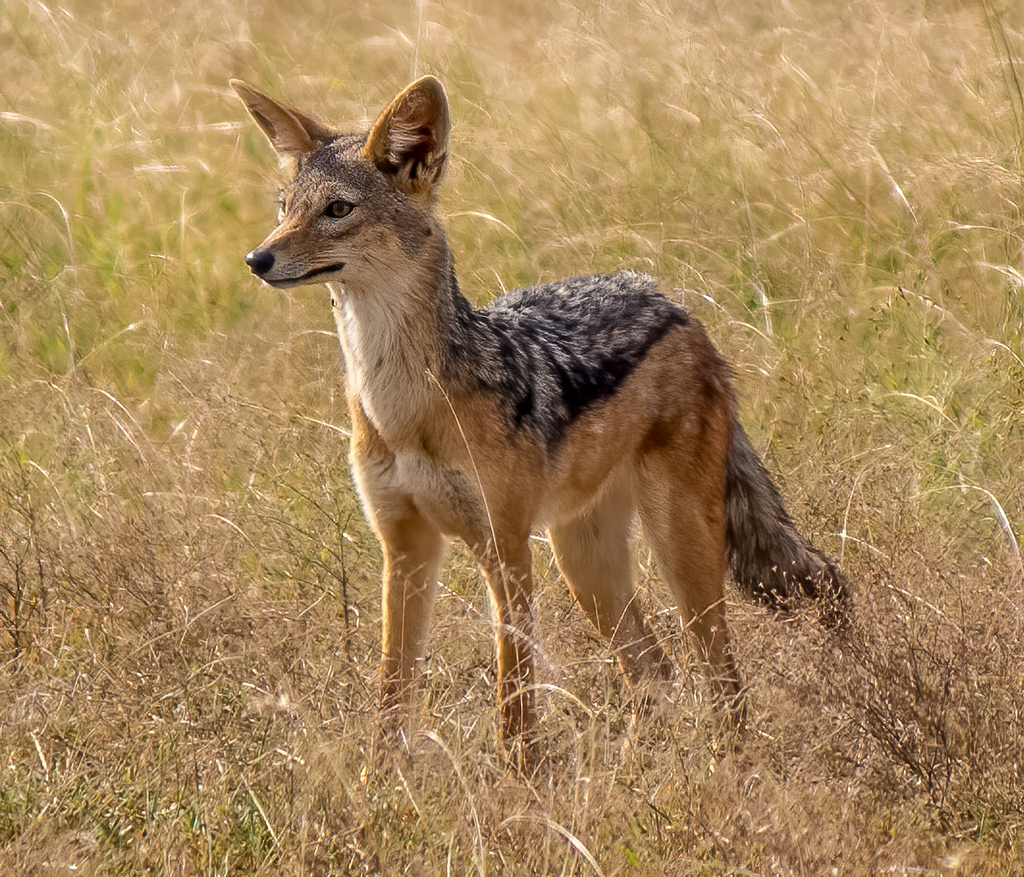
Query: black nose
{"x": 260, "y": 261}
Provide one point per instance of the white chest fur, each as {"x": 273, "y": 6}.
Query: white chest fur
{"x": 391, "y": 364}
{"x": 390, "y": 361}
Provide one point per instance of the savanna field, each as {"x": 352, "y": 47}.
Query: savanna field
{"x": 189, "y": 593}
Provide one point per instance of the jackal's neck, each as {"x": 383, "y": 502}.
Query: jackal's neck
{"x": 397, "y": 339}
{"x": 407, "y": 314}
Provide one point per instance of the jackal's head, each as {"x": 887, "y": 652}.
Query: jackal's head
{"x": 359, "y": 207}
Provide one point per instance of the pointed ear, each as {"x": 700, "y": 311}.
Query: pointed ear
{"x": 290, "y": 132}
{"x": 410, "y": 139}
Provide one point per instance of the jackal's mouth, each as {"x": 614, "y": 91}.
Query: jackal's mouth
{"x": 302, "y": 279}
{"x": 316, "y": 272}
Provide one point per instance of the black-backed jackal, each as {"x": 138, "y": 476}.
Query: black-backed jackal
{"x": 572, "y": 406}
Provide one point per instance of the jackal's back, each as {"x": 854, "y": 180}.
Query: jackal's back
{"x": 555, "y": 350}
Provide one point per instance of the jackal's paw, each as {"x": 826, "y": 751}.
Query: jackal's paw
{"x": 525, "y": 757}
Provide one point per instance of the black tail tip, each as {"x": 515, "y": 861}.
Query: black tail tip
{"x": 825, "y": 586}
{"x": 835, "y": 604}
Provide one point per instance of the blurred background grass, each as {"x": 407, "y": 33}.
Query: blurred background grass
{"x": 189, "y": 613}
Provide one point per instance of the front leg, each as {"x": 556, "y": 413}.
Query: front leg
{"x": 509, "y": 578}
{"x": 412, "y": 548}
{"x": 412, "y": 555}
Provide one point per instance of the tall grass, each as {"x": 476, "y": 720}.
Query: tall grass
{"x": 188, "y": 591}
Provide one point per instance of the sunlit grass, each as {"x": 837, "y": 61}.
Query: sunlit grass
{"x": 188, "y": 616}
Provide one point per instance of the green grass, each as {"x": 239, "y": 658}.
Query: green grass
{"x": 189, "y": 594}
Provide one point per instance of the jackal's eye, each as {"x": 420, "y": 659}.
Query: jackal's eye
{"x": 339, "y": 209}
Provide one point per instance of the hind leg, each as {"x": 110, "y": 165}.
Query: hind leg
{"x": 593, "y": 553}
{"x": 682, "y": 506}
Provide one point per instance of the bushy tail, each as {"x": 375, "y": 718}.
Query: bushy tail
{"x": 770, "y": 559}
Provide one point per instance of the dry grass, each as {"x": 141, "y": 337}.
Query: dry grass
{"x": 188, "y": 591}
